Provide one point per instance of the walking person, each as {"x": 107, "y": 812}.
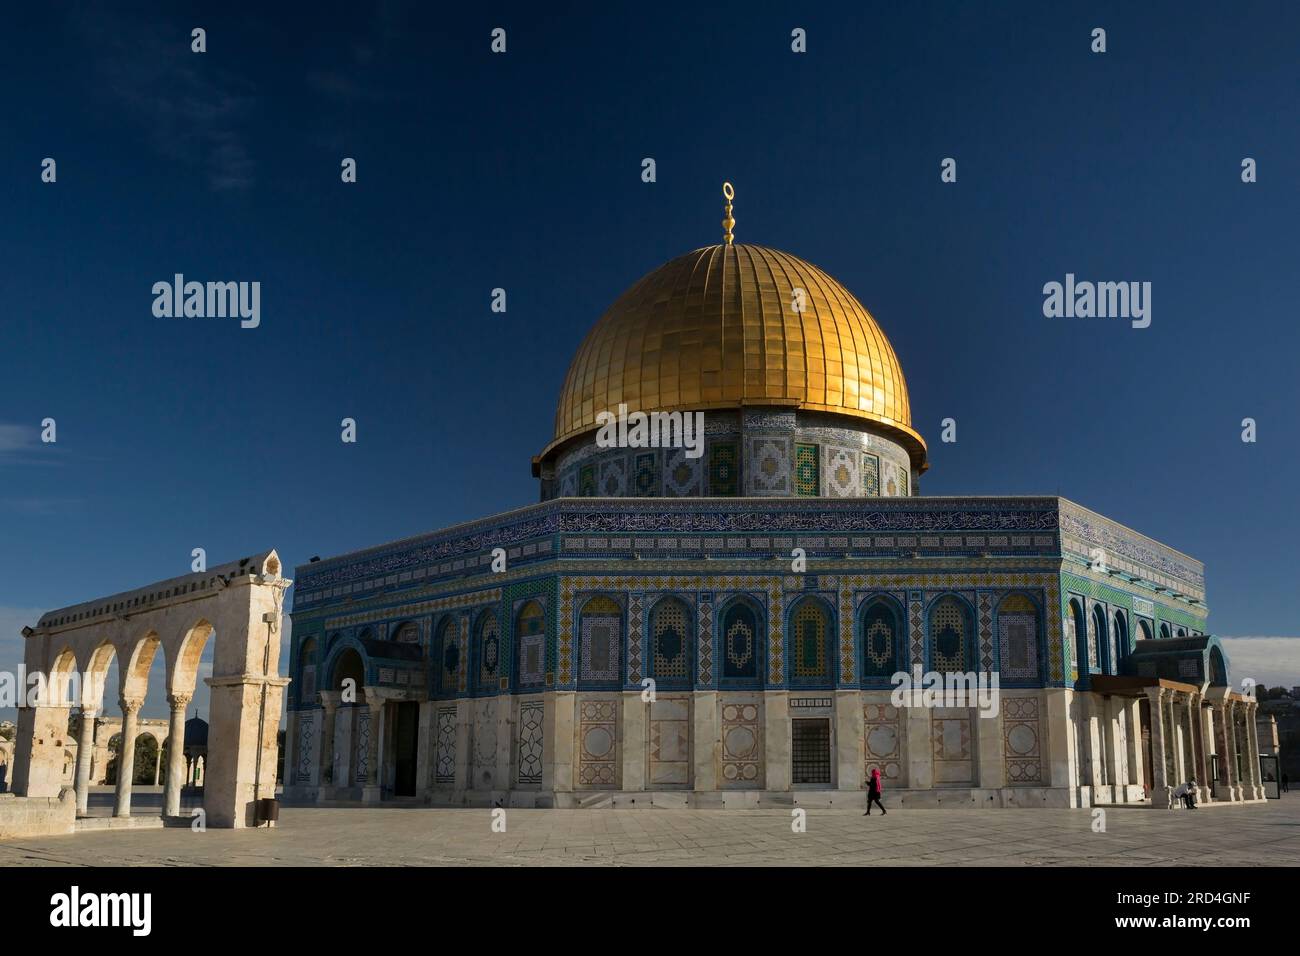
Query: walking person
{"x": 873, "y": 792}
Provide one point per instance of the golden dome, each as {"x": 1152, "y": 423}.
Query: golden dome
{"x": 716, "y": 328}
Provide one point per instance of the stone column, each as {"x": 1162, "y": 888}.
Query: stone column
{"x": 370, "y": 793}
{"x": 1161, "y": 794}
{"x": 175, "y": 754}
{"x": 126, "y": 754}
{"x": 85, "y": 751}
{"x": 1252, "y": 740}
{"x": 157, "y": 764}
{"x": 1133, "y": 741}
{"x": 325, "y": 750}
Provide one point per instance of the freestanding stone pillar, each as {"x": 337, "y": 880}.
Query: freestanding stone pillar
{"x": 126, "y": 754}
{"x": 85, "y": 753}
{"x": 1161, "y": 794}
{"x": 175, "y": 754}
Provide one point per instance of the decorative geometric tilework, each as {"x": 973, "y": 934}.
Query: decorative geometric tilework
{"x": 948, "y": 634}
{"x": 462, "y": 667}
{"x": 307, "y": 756}
{"x": 882, "y": 741}
{"x": 634, "y": 605}
{"x": 645, "y": 476}
{"x": 889, "y": 477}
{"x": 809, "y": 640}
{"x": 1018, "y": 638}
{"x": 848, "y": 668}
{"x": 530, "y": 627}
{"x": 445, "y": 746}
{"x": 601, "y": 640}
{"x": 670, "y": 742}
{"x": 531, "y": 715}
{"x": 569, "y": 484}
{"x": 363, "y": 744}
{"x": 598, "y": 744}
{"x": 742, "y": 746}
{"x": 484, "y": 747}
{"x": 587, "y": 481}
{"x": 880, "y": 628}
{"x": 807, "y": 482}
{"x": 871, "y": 476}
{"x": 489, "y": 647}
{"x": 903, "y": 479}
{"x": 986, "y": 631}
{"x": 952, "y": 749}
{"x": 705, "y": 641}
{"x": 669, "y": 633}
{"x": 769, "y": 470}
{"x": 1021, "y": 741}
{"x": 741, "y": 643}
{"x": 613, "y": 478}
{"x": 841, "y": 468}
{"x": 724, "y": 469}
{"x": 916, "y": 619}
{"x": 775, "y": 656}
{"x": 683, "y": 476}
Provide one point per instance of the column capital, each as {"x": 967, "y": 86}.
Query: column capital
{"x": 330, "y": 699}
{"x": 130, "y": 705}
{"x": 89, "y": 713}
{"x": 179, "y": 700}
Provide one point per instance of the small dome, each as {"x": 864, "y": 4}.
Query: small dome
{"x": 717, "y": 328}
{"x": 196, "y": 732}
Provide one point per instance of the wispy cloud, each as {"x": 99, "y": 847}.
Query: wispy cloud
{"x": 1270, "y": 661}
{"x": 194, "y": 111}
{"x": 12, "y": 642}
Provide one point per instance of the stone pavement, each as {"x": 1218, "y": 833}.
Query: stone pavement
{"x": 1213, "y": 836}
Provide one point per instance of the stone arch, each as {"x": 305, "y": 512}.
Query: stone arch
{"x": 950, "y": 629}
{"x": 669, "y": 658}
{"x": 1165, "y": 633}
{"x": 530, "y": 644}
{"x": 1019, "y": 623}
{"x": 183, "y": 670}
{"x": 95, "y": 675}
{"x": 811, "y": 626}
{"x": 742, "y": 641}
{"x": 137, "y": 655}
{"x": 880, "y": 626}
{"x": 62, "y": 687}
{"x": 601, "y": 633}
{"x": 1144, "y": 630}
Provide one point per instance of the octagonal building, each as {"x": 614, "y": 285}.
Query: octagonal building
{"x": 721, "y": 619}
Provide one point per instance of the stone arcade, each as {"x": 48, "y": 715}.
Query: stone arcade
{"x": 651, "y": 643}
{"x": 238, "y": 606}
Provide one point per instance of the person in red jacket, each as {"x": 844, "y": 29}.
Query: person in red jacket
{"x": 873, "y": 792}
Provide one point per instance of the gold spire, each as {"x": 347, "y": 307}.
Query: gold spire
{"x": 729, "y": 223}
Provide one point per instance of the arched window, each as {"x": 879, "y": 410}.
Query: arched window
{"x": 742, "y": 644}
{"x": 307, "y": 672}
{"x": 1018, "y": 639}
{"x": 600, "y": 643}
{"x": 951, "y": 631}
{"x": 447, "y": 650}
{"x": 1079, "y": 631}
{"x": 530, "y": 632}
{"x": 1097, "y": 640}
{"x": 810, "y": 626}
{"x": 1165, "y": 633}
{"x": 1119, "y": 640}
{"x": 1144, "y": 630}
{"x": 670, "y": 628}
{"x": 880, "y": 638}
{"x": 489, "y": 651}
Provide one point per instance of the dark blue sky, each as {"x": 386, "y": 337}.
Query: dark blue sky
{"x": 523, "y": 171}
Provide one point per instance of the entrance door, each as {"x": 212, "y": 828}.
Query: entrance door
{"x": 406, "y": 734}
{"x": 811, "y": 750}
